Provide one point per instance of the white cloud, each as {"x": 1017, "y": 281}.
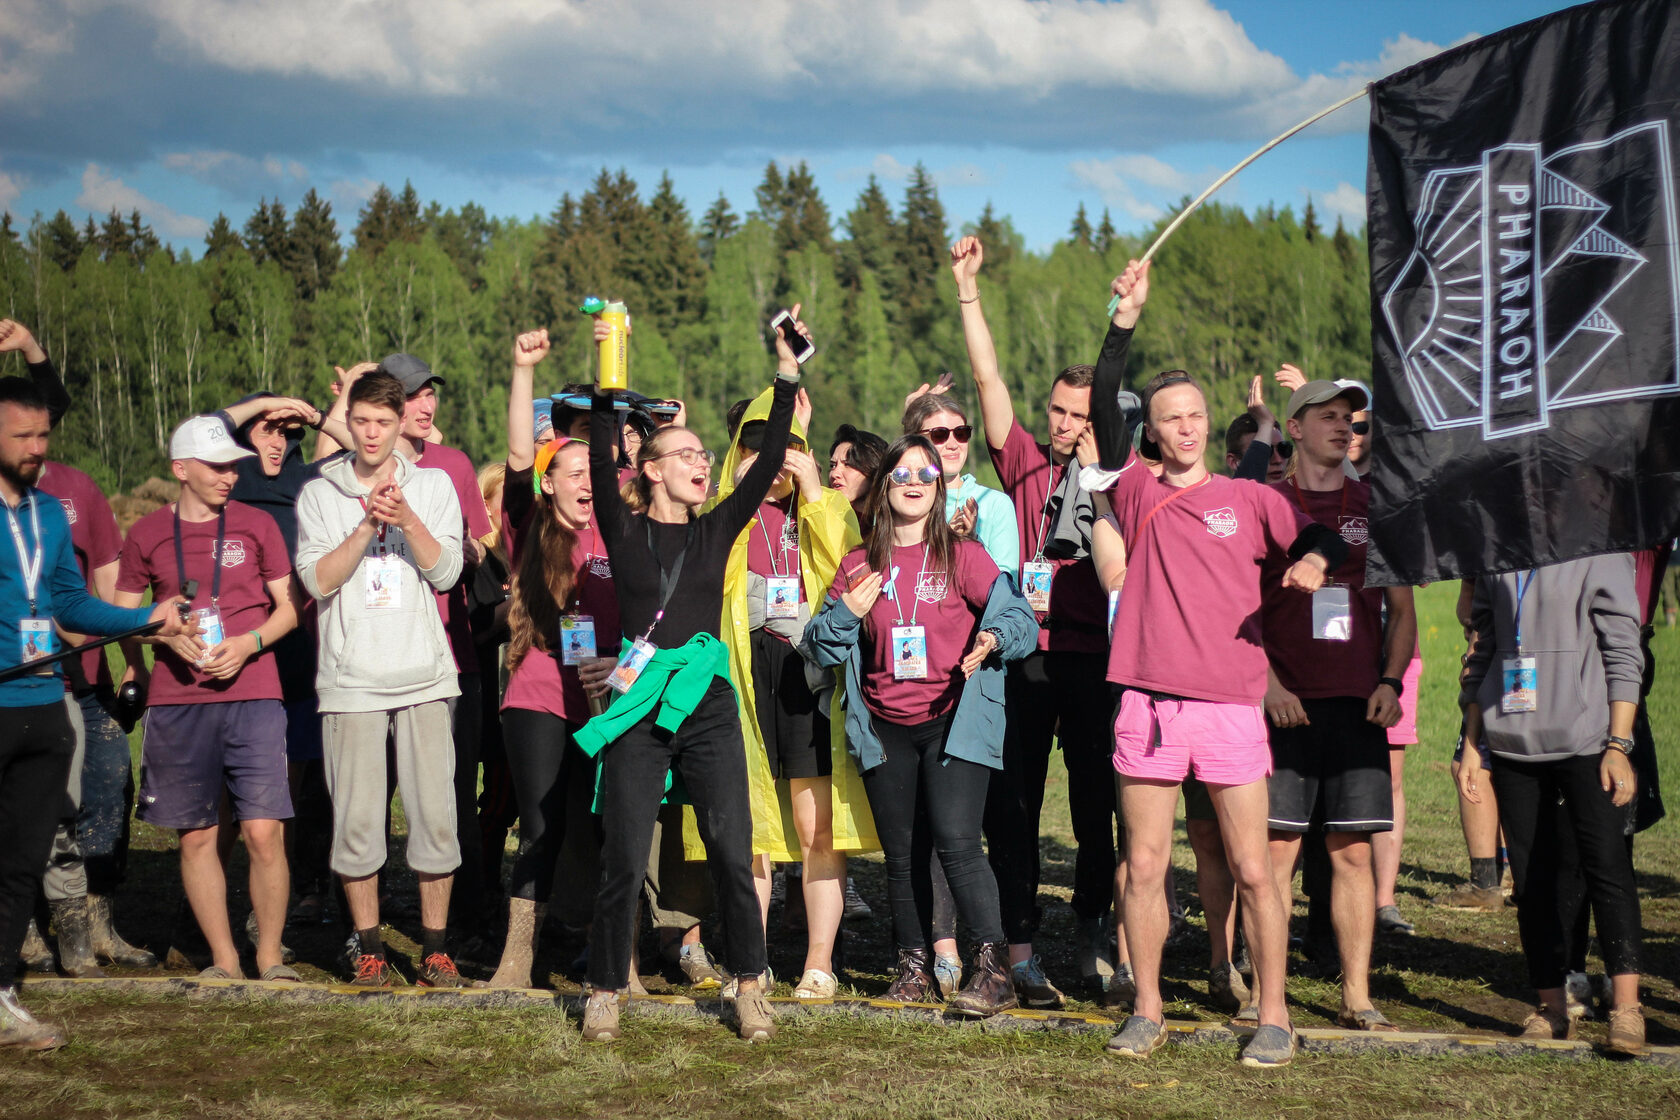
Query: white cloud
{"x": 892, "y": 170}
{"x": 102, "y": 193}
{"x": 1118, "y": 181}
{"x": 238, "y": 174}
{"x": 347, "y": 195}
{"x": 1346, "y": 202}
{"x": 9, "y": 192}
{"x": 31, "y": 35}
{"x": 961, "y": 175}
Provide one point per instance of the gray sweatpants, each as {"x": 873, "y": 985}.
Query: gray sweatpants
{"x": 66, "y": 876}
{"x": 353, "y": 746}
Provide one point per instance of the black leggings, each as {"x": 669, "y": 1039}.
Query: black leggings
{"x": 1539, "y": 803}
{"x": 926, "y": 801}
{"x": 712, "y": 758}
{"x": 36, "y": 745}
{"x": 552, "y": 782}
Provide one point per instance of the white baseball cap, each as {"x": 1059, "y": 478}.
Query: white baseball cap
{"x": 206, "y": 438}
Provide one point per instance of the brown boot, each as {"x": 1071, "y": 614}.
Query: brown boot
{"x": 989, "y": 989}
{"x": 108, "y": 944}
{"x": 1627, "y": 1029}
{"x": 525, "y": 919}
{"x": 36, "y": 954}
{"x": 75, "y": 938}
{"x": 915, "y": 983}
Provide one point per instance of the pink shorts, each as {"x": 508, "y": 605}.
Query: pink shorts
{"x": 1404, "y": 733}
{"x": 1162, "y": 740}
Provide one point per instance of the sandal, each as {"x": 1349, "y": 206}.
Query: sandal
{"x": 281, "y": 972}
{"x": 1368, "y": 1019}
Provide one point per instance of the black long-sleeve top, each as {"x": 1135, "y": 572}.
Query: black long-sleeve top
{"x": 45, "y": 376}
{"x": 696, "y": 602}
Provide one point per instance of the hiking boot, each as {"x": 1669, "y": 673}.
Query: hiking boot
{"x": 1390, "y": 922}
{"x": 525, "y": 919}
{"x": 1627, "y": 1029}
{"x": 991, "y": 986}
{"x": 21, "y": 1029}
{"x": 1138, "y": 1038}
{"x": 439, "y": 971}
{"x": 600, "y": 1017}
{"x": 373, "y": 971}
{"x": 36, "y": 954}
{"x": 108, "y": 944}
{"x": 915, "y": 983}
{"x": 1226, "y": 989}
{"x": 1091, "y": 950}
{"x": 1271, "y": 1047}
{"x": 698, "y": 969}
{"x": 1577, "y": 996}
{"x": 947, "y": 973}
{"x": 1548, "y": 1024}
{"x": 75, "y": 938}
{"x": 857, "y": 910}
{"x": 754, "y": 1020}
{"x": 1470, "y": 897}
{"x": 1032, "y": 987}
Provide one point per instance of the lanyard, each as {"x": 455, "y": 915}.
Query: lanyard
{"x": 1523, "y": 584}
{"x": 667, "y": 579}
{"x": 583, "y": 568}
{"x": 1173, "y": 497}
{"x": 1052, "y": 485}
{"x": 1301, "y": 501}
{"x": 382, "y": 526}
{"x": 181, "y": 564}
{"x": 775, "y": 551}
{"x": 29, "y": 565}
{"x": 898, "y": 596}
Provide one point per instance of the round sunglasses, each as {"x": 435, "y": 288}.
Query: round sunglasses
{"x": 904, "y": 476}
{"x": 963, "y": 432}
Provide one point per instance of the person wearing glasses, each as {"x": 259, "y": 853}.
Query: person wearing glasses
{"x": 973, "y": 510}
{"x": 923, "y": 621}
{"x": 675, "y": 715}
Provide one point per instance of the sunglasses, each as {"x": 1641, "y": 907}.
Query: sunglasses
{"x": 692, "y": 456}
{"x": 904, "y": 476}
{"x": 1361, "y": 427}
{"x": 963, "y": 432}
{"x": 1284, "y": 448}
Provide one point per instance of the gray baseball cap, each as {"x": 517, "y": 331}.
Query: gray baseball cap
{"x": 414, "y": 374}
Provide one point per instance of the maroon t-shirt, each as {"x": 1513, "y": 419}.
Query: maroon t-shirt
{"x": 949, "y": 609}
{"x": 541, "y": 683}
{"x": 1188, "y": 622}
{"x": 97, "y": 542}
{"x": 452, "y": 604}
{"x": 1078, "y": 616}
{"x": 253, "y": 556}
{"x": 1316, "y": 668}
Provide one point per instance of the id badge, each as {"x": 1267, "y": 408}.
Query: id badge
{"x": 384, "y": 583}
{"x": 781, "y": 596}
{"x": 209, "y": 622}
{"x": 36, "y": 640}
{"x": 577, "y": 639}
{"x": 1113, "y": 606}
{"x": 1035, "y": 583}
{"x": 630, "y": 666}
{"x": 909, "y": 653}
{"x": 1332, "y": 614}
{"x": 1522, "y": 686}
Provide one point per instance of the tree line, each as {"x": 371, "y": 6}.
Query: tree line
{"x": 146, "y": 335}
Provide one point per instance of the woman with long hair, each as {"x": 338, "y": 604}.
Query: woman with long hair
{"x": 923, "y": 620}
{"x": 674, "y": 727}
{"x": 974, "y": 510}
{"x": 563, "y": 616}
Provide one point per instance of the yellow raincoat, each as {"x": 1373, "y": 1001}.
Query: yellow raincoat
{"x": 827, "y": 531}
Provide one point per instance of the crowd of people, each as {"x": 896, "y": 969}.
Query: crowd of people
{"x": 693, "y": 687}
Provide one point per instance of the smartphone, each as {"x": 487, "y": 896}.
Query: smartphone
{"x": 801, "y": 346}
{"x": 667, "y": 410}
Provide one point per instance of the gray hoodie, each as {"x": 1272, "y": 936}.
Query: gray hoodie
{"x": 378, "y": 659}
{"x": 1580, "y": 623}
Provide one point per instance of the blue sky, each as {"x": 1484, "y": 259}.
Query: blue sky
{"x": 184, "y": 108}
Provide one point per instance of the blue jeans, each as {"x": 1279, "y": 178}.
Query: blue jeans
{"x": 107, "y": 797}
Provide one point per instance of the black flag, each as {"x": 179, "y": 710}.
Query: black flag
{"x": 1525, "y": 296}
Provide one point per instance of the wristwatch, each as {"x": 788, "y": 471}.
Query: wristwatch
{"x": 1617, "y": 743}
{"x": 1395, "y": 683}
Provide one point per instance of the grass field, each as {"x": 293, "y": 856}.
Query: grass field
{"x": 137, "y": 1056}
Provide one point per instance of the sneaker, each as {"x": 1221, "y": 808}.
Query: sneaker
{"x": 816, "y": 984}
{"x": 21, "y": 1029}
{"x": 857, "y": 910}
{"x": 1577, "y": 996}
{"x": 438, "y": 971}
{"x": 1122, "y": 987}
{"x": 947, "y": 973}
{"x": 1226, "y": 989}
{"x": 732, "y": 986}
{"x": 1271, "y": 1047}
{"x": 1033, "y": 988}
{"x": 1138, "y": 1038}
{"x": 754, "y": 1021}
{"x": 1627, "y": 1029}
{"x": 373, "y": 971}
{"x": 698, "y": 968}
{"x": 1391, "y": 923}
{"x": 287, "y": 956}
{"x": 1470, "y": 897}
{"x": 600, "y": 1017}
{"x": 1547, "y": 1024}
{"x": 1091, "y": 951}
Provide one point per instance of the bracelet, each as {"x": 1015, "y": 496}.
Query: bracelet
{"x": 320, "y": 419}
{"x": 1617, "y": 743}
{"x": 1395, "y": 683}
{"x": 976, "y": 299}
{"x": 258, "y": 637}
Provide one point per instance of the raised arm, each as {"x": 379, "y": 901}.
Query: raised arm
{"x": 738, "y": 508}
{"x": 14, "y": 336}
{"x": 338, "y": 416}
{"x": 997, "y": 411}
{"x": 528, "y": 349}
{"x": 1114, "y": 435}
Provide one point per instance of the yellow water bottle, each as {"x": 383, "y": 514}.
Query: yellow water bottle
{"x": 613, "y": 371}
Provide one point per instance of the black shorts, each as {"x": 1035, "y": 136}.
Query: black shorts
{"x": 1331, "y": 775}
{"x": 1198, "y": 804}
{"x": 795, "y": 733}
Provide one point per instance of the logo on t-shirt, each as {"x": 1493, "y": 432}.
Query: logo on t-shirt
{"x": 1356, "y": 530}
{"x": 69, "y": 509}
{"x": 930, "y": 587}
{"x": 600, "y": 567}
{"x": 1221, "y": 522}
{"x": 233, "y": 553}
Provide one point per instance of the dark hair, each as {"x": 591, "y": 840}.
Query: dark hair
{"x": 379, "y": 389}
{"x": 1076, "y": 377}
{"x": 877, "y": 543}
{"x": 1165, "y": 380}
{"x": 867, "y": 448}
{"x": 22, "y": 392}
{"x": 732, "y": 418}
{"x": 917, "y": 412}
{"x": 1243, "y": 425}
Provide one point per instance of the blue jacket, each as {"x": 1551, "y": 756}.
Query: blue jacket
{"x": 62, "y": 595}
{"x": 977, "y": 728}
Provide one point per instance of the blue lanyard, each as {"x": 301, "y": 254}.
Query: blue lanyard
{"x": 1523, "y": 584}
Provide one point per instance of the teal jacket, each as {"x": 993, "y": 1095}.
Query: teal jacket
{"x": 977, "y": 728}
{"x": 995, "y": 524}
